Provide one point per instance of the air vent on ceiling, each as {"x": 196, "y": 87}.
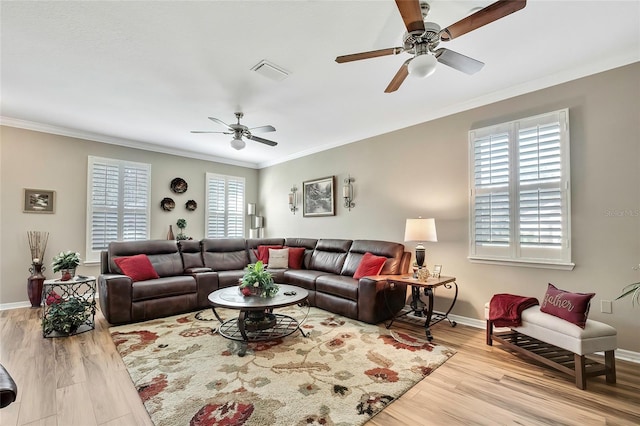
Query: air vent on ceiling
{"x": 270, "y": 70}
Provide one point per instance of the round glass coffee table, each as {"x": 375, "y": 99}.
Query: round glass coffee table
{"x": 256, "y": 321}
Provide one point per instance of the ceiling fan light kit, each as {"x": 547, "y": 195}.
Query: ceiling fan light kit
{"x": 422, "y": 38}
{"x": 239, "y": 130}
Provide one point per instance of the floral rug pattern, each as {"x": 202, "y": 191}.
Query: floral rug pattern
{"x": 342, "y": 374}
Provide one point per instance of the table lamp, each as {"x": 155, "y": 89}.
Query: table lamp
{"x": 420, "y": 230}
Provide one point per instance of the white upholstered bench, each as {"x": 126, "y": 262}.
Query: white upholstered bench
{"x": 560, "y": 344}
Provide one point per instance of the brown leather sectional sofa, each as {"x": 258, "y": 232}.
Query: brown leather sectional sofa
{"x": 190, "y": 270}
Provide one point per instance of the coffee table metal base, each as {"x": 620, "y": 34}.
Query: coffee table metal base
{"x": 237, "y": 329}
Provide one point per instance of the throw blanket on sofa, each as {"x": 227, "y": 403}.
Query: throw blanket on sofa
{"x": 505, "y": 309}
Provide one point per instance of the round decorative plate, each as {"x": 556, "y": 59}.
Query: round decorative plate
{"x": 167, "y": 204}
{"x": 191, "y": 205}
{"x": 179, "y": 185}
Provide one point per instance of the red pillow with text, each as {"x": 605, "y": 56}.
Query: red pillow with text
{"x": 370, "y": 264}
{"x": 263, "y": 253}
{"x": 296, "y": 257}
{"x": 138, "y": 267}
{"x": 572, "y": 307}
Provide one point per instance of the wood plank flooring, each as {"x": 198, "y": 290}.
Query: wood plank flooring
{"x": 81, "y": 381}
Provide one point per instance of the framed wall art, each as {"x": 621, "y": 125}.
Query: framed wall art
{"x": 39, "y": 201}
{"x": 318, "y": 197}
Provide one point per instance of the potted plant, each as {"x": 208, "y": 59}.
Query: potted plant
{"x": 633, "y": 290}
{"x": 181, "y": 224}
{"x": 65, "y": 316}
{"x": 66, "y": 263}
{"x": 258, "y": 281}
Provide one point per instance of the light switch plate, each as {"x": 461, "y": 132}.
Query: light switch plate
{"x": 606, "y": 307}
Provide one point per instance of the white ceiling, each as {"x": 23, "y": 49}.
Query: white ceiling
{"x": 146, "y": 73}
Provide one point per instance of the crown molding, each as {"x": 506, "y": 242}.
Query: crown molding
{"x": 79, "y": 134}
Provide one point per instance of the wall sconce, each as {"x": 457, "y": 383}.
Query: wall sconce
{"x": 293, "y": 199}
{"x": 347, "y": 192}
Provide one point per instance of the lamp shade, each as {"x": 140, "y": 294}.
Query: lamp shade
{"x": 420, "y": 230}
{"x": 423, "y": 65}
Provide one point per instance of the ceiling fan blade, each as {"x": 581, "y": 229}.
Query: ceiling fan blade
{"x": 397, "y": 80}
{"x": 458, "y": 61}
{"x": 411, "y": 15}
{"x": 208, "y": 131}
{"x": 263, "y": 129}
{"x": 215, "y": 120}
{"x": 369, "y": 54}
{"x": 261, "y": 140}
{"x": 485, "y": 16}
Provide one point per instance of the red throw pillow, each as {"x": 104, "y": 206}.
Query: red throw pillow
{"x": 296, "y": 257}
{"x": 138, "y": 267}
{"x": 263, "y": 253}
{"x": 370, "y": 264}
{"x": 572, "y": 307}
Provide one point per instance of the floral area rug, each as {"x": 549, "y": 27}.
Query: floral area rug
{"x": 343, "y": 373}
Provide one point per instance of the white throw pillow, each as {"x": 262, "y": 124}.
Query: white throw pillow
{"x": 278, "y": 258}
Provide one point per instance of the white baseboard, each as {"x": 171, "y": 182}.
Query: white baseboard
{"x": 15, "y": 305}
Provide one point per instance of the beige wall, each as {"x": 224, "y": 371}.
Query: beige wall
{"x": 31, "y": 159}
{"x": 423, "y": 170}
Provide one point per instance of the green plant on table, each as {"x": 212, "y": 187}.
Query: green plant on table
{"x": 257, "y": 280}
{"x": 65, "y": 316}
{"x": 65, "y": 260}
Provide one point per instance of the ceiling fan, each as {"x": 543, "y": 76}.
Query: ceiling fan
{"x": 239, "y": 130}
{"x": 422, "y": 39}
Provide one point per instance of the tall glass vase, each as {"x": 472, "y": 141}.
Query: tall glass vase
{"x": 34, "y": 284}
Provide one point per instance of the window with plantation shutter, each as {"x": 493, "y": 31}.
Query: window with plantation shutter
{"x": 118, "y": 203}
{"x": 225, "y": 206}
{"x": 520, "y": 192}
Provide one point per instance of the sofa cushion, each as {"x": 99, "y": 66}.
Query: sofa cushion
{"x": 226, "y": 254}
{"x": 370, "y": 264}
{"x": 572, "y": 307}
{"x": 163, "y": 287}
{"x": 329, "y": 255}
{"x": 304, "y": 278}
{"x": 163, "y": 254}
{"x": 262, "y": 253}
{"x": 338, "y": 285}
{"x": 296, "y": 257}
{"x": 309, "y": 245}
{"x": 278, "y": 258}
{"x": 191, "y": 254}
{"x": 392, "y": 251}
{"x": 138, "y": 267}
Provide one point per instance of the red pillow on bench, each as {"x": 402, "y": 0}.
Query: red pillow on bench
{"x": 370, "y": 264}
{"x": 138, "y": 267}
{"x": 572, "y": 307}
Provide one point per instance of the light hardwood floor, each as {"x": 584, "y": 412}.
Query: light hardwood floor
{"x": 81, "y": 381}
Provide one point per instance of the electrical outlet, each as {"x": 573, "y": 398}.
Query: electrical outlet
{"x": 606, "y": 307}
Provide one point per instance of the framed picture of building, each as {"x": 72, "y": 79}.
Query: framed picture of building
{"x": 318, "y": 197}
{"x": 39, "y": 201}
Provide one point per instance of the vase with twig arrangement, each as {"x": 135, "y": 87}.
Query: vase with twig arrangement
{"x": 37, "y": 246}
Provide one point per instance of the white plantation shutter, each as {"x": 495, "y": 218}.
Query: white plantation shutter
{"x": 118, "y": 203}
{"x": 520, "y": 195}
{"x": 225, "y": 206}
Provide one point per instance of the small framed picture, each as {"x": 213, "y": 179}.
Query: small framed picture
{"x": 39, "y": 201}
{"x": 437, "y": 269}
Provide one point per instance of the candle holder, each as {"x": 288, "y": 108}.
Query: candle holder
{"x": 347, "y": 192}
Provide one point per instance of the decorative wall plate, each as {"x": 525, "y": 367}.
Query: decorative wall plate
{"x": 179, "y": 185}
{"x": 191, "y": 205}
{"x": 167, "y": 204}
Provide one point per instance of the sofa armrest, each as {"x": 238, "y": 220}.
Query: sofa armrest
{"x": 8, "y": 388}
{"x": 379, "y": 300}
{"x": 199, "y": 270}
{"x": 115, "y": 297}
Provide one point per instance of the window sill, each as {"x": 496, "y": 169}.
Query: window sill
{"x": 524, "y": 263}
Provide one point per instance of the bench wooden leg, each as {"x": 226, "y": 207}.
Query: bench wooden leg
{"x": 581, "y": 377}
{"x": 610, "y": 365}
{"x": 489, "y": 332}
